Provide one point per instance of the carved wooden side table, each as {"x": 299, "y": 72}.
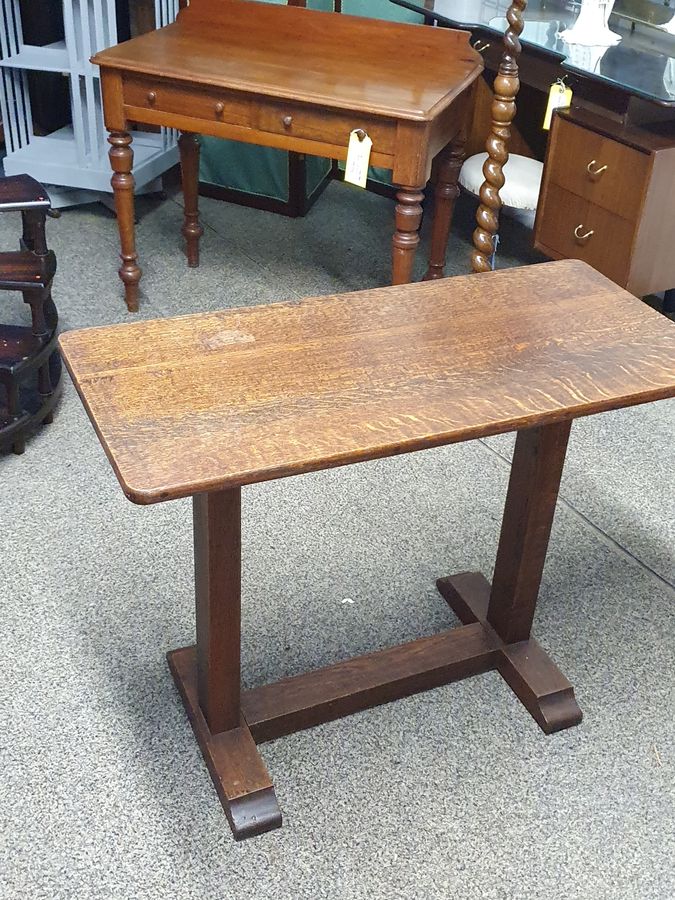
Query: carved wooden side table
{"x": 203, "y": 405}
{"x": 301, "y": 80}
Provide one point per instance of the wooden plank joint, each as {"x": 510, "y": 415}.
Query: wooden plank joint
{"x": 528, "y": 670}
{"x": 303, "y": 701}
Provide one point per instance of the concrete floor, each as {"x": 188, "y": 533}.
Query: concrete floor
{"x": 450, "y": 794}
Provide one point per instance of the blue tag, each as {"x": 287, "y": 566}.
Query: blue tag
{"x": 495, "y": 244}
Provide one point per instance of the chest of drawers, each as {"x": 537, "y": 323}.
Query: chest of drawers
{"x": 608, "y": 198}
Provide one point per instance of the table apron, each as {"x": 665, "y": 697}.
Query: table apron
{"x": 249, "y": 135}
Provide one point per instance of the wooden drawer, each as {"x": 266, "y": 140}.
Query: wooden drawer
{"x": 329, "y": 126}
{"x": 562, "y": 213}
{"x": 575, "y": 153}
{"x": 210, "y": 104}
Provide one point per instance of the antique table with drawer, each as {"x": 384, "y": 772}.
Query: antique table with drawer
{"x": 299, "y": 80}
{"x": 201, "y": 406}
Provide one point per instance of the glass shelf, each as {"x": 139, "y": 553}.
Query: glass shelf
{"x": 642, "y": 64}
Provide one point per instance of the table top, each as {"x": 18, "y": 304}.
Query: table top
{"x": 643, "y": 63}
{"x": 212, "y": 401}
{"x": 345, "y": 62}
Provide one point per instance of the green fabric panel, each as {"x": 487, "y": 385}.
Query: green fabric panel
{"x": 258, "y": 170}
{"x": 326, "y": 5}
{"x": 380, "y": 9}
{"x": 245, "y": 167}
{"x": 316, "y": 171}
{"x": 381, "y": 175}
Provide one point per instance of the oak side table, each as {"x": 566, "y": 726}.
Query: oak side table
{"x": 300, "y": 80}
{"x": 203, "y": 405}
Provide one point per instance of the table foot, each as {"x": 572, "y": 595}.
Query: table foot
{"x": 131, "y": 295}
{"x": 528, "y": 670}
{"x": 237, "y": 770}
{"x": 540, "y": 686}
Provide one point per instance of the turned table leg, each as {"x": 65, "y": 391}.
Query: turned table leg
{"x": 406, "y": 236}
{"x": 209, "y": 678}
{"x": 14, "y": 410}
{"x": 192, "y": 231}
{"x": 446, "y": 193}
{"x": 122, "y": 160}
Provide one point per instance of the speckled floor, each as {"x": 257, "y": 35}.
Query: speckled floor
{"x": 450, "y": 794}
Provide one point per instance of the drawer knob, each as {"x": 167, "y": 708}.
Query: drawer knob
{"x": 582, "y": 238}
{"x": 287, "y": 121}
{"x": 593, "y": 171}
{"x": 480, "y": 46}
{"x": 152, "y": 96}
{"x": 220, "y": 108}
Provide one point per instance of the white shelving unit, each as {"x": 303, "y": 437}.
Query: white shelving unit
{"x": 72, "y": 162}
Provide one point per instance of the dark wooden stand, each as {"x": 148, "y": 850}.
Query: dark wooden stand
{"x": 495, "y": 635}
{"x": 25, "y": 351}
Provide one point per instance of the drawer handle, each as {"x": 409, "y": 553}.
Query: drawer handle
{"x": 480, "y": 46}
{"x": 152, "y": 96}
{"x": 582, "y": 238}
{"x": 595, "y": 172}
{"x": 287, "y": 121}
{"x": 220, "y": 109}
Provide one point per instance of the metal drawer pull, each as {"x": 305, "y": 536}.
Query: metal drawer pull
{"x": 287, "y": 121}
{"x": 152, "y": 96}
{"x": 220, "y": 109}
{"x": 480, "y": 46}
{"x": 595, "y": 172}
{"x": 582, "y": 238}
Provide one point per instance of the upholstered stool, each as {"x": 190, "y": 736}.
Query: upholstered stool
{"x": 520, "y": 193}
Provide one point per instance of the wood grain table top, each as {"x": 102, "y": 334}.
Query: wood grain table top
{"x": 205, "y": 402}
{"x": 364, "y": 65}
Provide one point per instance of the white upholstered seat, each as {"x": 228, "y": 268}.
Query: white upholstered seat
{"x": 523, "y": 180}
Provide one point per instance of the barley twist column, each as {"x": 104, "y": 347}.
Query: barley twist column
{"x": 506, "y": 88}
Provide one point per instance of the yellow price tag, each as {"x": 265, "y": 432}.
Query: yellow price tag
{"x": 358, "y": 157}
{"x": 558, "y": 96}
